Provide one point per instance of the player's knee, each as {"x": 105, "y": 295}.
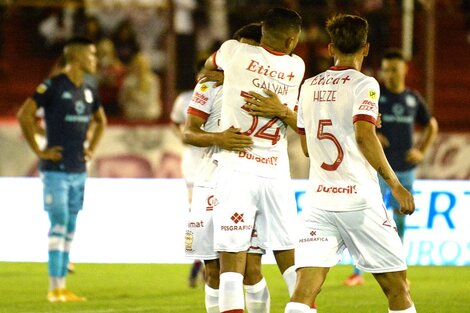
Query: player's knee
{"x": 212, "y": 277}
{"x": 252, "y": 275}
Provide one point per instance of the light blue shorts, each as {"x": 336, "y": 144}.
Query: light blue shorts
{"x": 63, "y": 191}
{"x": 406, "y": 178}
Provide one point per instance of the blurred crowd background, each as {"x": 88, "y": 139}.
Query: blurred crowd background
{"x": 152, "y": 46}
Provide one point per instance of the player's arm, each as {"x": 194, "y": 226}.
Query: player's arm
{"x": 97, "y": 126}
{"x": 230, "y": 139}
{"x": 27, "y": 119}
{"x": 416, "y": 155}
{"x": 372, "y": 150}
{"x": 303, "y": 143}
{"x": 271, "y": 106}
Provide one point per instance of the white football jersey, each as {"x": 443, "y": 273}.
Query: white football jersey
{"x": 206, "y": 102}
{"x": 341, "y": 179}
{"x": 251, "y": 68}
{"x": 191, "y": 155}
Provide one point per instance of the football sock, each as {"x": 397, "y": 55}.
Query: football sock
{"x": 257, "y": 297}
{"x": 54, "y": 282}
{"x": 289, "y": 277}
{"x": 411, "y": 309}
{"x": 56, "y": 244}
{"x": 212, "y": 299}
{"x": 231, "y": 293}
{"x": 357, "y": 271}
{"x": 72, "y": 222}
{"x": 295, "y": 307}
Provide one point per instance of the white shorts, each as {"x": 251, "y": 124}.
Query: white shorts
{"x": 199, "y": 235}
{"x": 370, "y": 236}
{"x": 248, "y": 202}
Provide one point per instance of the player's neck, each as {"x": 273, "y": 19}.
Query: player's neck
{"x": 272, "y": 46}
{"x": 396, "y": 89}
{"x": 75, "y": 74}
{"x": 349, "y": 61}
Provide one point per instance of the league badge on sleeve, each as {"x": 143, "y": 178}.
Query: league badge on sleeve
{"x": 373, "y": 94}
{"x": 41, "y": 88}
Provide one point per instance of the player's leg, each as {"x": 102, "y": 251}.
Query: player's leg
{"x": 356, "y": 277}
{"x": 234, "y": 219}
{"x": 212, "y": 285}
{"x": 232, "y": 269}
{"x": 370, "y": 236}
{"x": 285, "y": 262}
{"x": 308, "y": 286}
{"x": 396, "y": 290}
{"x": 75, "y": 204}
{"x": 55, "y": 203}
{"x": 257, "y": 297}
{"x": 276, "y": 226}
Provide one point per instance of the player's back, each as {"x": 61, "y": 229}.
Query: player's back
{"x": 250, "y": 68}
{"x": 330, "y": 103}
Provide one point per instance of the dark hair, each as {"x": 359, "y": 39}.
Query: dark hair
{"x": 393, "y": 54}
{"x": 348, "y": 33}
{"x": 82, "y": 41}
{"x": 251, "y": 31}
{"x": 281, "y": 19}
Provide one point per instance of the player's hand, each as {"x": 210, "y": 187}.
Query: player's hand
{"x": 232, "y": 140}
{"x": 88, "y": 154}
{"x": 378, "y": 123}
{"x": 53, "y": 154}
{"x": 414, "y": 156}
{"x": 269, "y": 106}
{"x": 383, "y": 140}
{"x": 404, "y": 198}
{"x": 211, "y": 76}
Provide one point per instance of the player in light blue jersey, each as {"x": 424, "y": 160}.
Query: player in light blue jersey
{"x": 74, "y": 124}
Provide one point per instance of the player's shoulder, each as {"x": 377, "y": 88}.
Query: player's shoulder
{"x": 50, "y": 83}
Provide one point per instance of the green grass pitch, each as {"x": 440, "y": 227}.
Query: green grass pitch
{"x": 161, "y": 288}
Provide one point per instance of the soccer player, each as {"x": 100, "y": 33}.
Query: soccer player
{"x": 338, "y": 110}
{"x": 401, "y": 108}
{"x": 253, "y": 187}
{"x": 202, "y": 129}
{"x": 74, "y": 122}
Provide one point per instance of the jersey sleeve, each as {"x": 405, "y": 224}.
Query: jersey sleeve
{"x": 300, "y": 115}
{"x": 225, "y": 53}
{"x": 43, "y": 93}
{"x": 178, "y": 113}
{"x": 366, "y": 101}
{"x": 422, "y": 114}
{"x": 202, "y": 100}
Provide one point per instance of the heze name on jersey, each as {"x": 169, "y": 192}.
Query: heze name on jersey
{"x": 324, "y": 95}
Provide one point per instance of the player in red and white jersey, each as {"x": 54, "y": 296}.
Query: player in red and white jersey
{"x": 253, "y": 187}
{"x": 202, "y": 129}
{"x": 338, "y": 111}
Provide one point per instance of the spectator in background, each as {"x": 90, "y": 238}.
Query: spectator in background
{"x": 401, "y": 109}
{"x": 110, "y": 76}
{"x": 91, "y": 29}
{"x": 125, "y": 42}
{"x": 139, "y": 97}
{"x": 377, "y": 14}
